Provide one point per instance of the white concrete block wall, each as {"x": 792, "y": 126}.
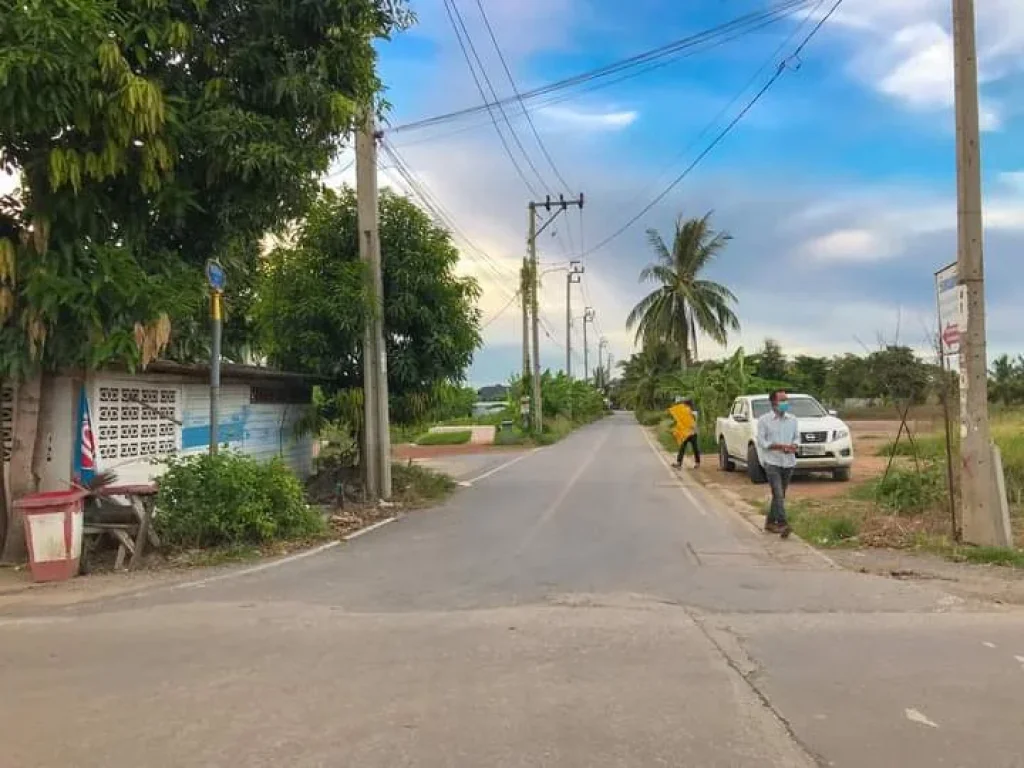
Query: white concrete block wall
{"x": 133, "y": 437}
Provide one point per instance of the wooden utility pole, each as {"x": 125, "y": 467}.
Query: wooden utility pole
{"x": 981, "y": 511}
{"x": 574, "y": 276}
{"x": 376, "y": 454}
{"x": 560, "y": 205}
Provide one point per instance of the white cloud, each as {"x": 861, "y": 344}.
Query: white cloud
{"x": 904, "y": 49}
{"x": 589, "y": 121}
{"x": 856, "y": 245}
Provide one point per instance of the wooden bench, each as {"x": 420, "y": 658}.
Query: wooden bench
{"x": 130, "y": 525}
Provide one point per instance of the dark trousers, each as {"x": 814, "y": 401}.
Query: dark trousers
{"x": 691, "y": 440}
{"x": 778, "y": 479}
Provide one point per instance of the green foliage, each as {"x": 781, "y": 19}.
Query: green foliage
{"x": 151, "y": 136}
{"x": 821, "y": 528}
{"x": 413, "y": 484}
{"x": 1012, "y": 558}
{"x": 445, "y": 438}
{"x": 311, "y": 308}
{"x": 683, "y": 301}
{"x": 510, "y": 437}
{"x": 908, "y": 491}
{"x": 716, "y": 387}
{"x": 1006, "y": 381}
{"x": 770, "y": 362}
{"x": 229, "y": 500}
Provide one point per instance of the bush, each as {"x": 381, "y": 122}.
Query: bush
{"x": 909, "y": 492}
{"x": 650, "y": 418}
{"x": 445, "y": 438}
{"x": 415, "y": 484}
{"x": 230, "y": 500}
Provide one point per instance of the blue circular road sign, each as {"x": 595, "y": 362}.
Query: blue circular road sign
{"x": 215, "y": 275}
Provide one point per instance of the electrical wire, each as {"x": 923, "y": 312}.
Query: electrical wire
{"x": 780, "y": 70}
{"x": 441, "y": 216}
{"x": 519, "y": 97}
{"x": 501, "y": 311}
{"x": 744, "y": 24}
{"x": 457, "y": 22}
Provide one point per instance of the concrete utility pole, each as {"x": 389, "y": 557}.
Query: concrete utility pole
{"x": 559, "y": 205}
{"x": 524, "y": 293}
{"x": 600, "y": 357}
{"x": 377, "y": 424}
{"x": 588, "y": 317}
{"x": 574, "y": 276}
{"x": 982, "y": 510}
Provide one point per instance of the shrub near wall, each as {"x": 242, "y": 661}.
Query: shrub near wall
{"x": 230, "y": 499}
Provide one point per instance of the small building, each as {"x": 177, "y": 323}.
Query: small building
{"x": 138, "y": 420}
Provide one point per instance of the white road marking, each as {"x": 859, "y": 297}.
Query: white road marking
{"x": 682, "y": 486}
{"x": 553, "y": 508}
{"x": 915, "y": 716}
{"x": 469, "y": 483}
{"x": 988, "y": 644}
{"x": 368, "y": 529}
{"x": 256, "y": 568}
{"x": 30, "y": 621}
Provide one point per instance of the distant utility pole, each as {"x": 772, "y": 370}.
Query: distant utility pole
{"x": 524, "y": 294}
{"x": 600, "y": 357}
{"x": 377, "y": 427}
{"x": 559, "y": 206}
{"x": 574, "y": 276}
{"x": 588, "y": 317}
{"x": 982, "y": 509}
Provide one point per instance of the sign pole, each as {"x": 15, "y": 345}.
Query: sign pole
{"x": 216, "y": 280}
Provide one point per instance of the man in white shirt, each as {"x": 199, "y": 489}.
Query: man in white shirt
{"x": 777, "y": 439}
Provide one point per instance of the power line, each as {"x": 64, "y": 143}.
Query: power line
{"x": 441, "y": 215}
{"x": 457, "y": 22}
{"x": 501, "y": 311}
{"x": 724, "y": 132}
{"x": 519, "y": 97}
{"x": 743, "y": 24}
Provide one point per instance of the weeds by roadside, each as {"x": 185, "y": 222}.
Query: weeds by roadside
{"x": 460, "y": 437}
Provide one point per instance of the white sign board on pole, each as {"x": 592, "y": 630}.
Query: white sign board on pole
{"x": 952, "y": 316}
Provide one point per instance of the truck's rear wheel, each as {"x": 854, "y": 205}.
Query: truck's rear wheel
{"x": 725, "y": 462}
{"x": 754, "y": 469}
{"x": 841, "y": 475}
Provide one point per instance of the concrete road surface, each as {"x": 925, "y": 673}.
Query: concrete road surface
{"x": 578, "y": 607}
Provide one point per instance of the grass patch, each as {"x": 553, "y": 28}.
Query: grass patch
{"x": 821, "y": 527}
{"x": 1011, "y": 558}
{"x": 445, "y": 438}
{"x": 414, "y": 485}
{"x": 906, "y": 491}
{"x": 508, "y": 437}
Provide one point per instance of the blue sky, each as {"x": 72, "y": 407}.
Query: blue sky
{"x": 838, "y": 187}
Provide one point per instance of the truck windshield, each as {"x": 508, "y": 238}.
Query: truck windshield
{"x": 801, "y": 407}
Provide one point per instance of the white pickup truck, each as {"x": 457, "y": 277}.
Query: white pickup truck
{"x": 825, "y": 441}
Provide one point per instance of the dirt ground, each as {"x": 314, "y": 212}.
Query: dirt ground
{"x": 868, "y": 439}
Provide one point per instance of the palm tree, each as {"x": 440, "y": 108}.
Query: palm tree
{"x": 683, "y": 303}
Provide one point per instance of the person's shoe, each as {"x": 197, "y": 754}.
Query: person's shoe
{"x": 697, "y": 465}
{"x": 784, "y": 531}
{"x": 772, "y": 528}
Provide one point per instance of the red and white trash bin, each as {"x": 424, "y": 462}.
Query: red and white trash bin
{"x": 53, "y": 533}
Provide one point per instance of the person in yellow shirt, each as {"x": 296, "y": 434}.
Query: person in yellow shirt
{"x": 685, "y": 430}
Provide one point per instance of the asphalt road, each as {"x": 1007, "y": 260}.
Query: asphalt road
{"x": 578, "y": 607}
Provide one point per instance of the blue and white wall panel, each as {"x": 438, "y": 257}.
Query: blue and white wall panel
{"x": 141, "y": 420}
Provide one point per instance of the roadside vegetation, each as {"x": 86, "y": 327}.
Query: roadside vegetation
{"x": 445, "y": 438}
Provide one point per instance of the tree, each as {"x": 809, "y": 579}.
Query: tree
{"x": 809, "y": 374}
{"x": 847, "y": 378}
{"x": 149, "y": 137}
{"x": 650, "y": 378}
{"x": 1006, "y": 385}
{"x": 771, "y": 362}
{"x": 683, "y": 302}
{"x": 311, "y": 309}
{"x": 896, "y": 374}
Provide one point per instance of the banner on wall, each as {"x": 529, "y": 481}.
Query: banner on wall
{"x": 85, "y": 449}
